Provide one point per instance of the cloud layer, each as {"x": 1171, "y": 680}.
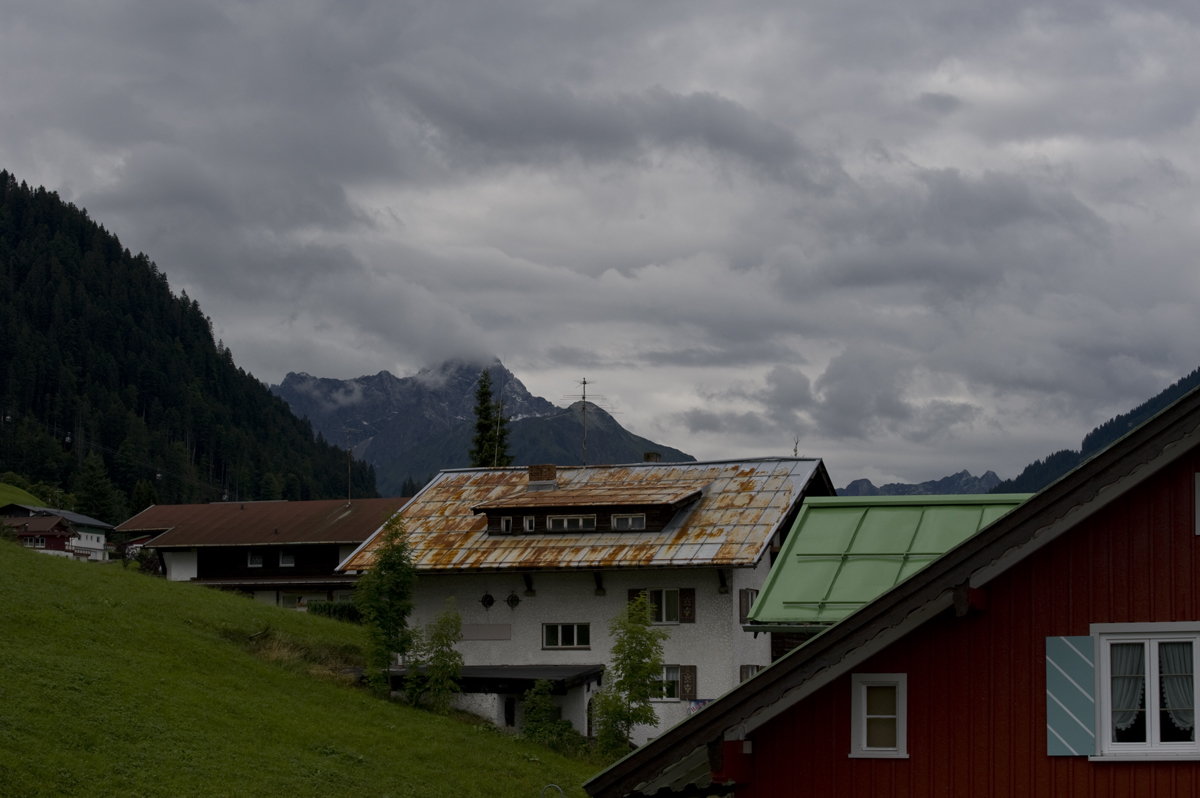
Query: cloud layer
{"x": 908, "y": 238}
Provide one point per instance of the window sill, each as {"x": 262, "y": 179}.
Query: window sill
{"x": 566, "y": 648}
{"x": 1153, "y": 756}
{"x": 878, "y": 755}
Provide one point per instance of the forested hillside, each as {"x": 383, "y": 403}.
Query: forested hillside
{"x": 1041, "y": 473}
{"x": 113, "y": 388}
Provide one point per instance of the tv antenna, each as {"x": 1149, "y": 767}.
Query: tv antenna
{"x": 584, "y": 383}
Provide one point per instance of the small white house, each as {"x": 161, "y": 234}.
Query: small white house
{"x": 539, "y": 559}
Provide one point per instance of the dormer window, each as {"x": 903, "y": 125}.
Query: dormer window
{"x": 506, "y": 525}
{"x": 530, "y": 522}
{"x": 571, "y": 523}
{"x": 254, "y": 559}
{"x": 626, "y": 522}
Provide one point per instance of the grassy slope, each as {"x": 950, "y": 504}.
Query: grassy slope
{"x": 11, "y": 494}
{"x": 114, "y": 683}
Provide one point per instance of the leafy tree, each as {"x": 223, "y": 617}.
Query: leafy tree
{"x": 383, "y": 596}
{"x": 543, "y": 725}
{"x": 634, "y": 678}
{"x": 439, "y": 662}
{"x": 490, "y": 444}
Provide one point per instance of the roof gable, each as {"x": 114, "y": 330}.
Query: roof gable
{"x": 738, "y": 507}
{"x": 1091, "y": 487}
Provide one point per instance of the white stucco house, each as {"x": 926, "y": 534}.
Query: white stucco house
{"x": 539, "y": 559}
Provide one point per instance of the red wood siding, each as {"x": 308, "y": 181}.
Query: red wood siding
{"x": 977, "y": 685}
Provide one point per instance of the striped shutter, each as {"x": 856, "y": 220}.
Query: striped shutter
{"x": 1070, "y": 696}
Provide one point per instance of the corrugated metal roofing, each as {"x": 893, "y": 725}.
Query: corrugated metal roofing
{"x": 843, "y": 552}
{"x": 258, "y": 523}
{"x": 743, "y": 504}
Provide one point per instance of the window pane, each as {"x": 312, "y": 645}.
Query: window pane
{"x": 671, "y": 682}
{"x": 551, "y": 635}
{"x": 1177, "y": 716}
{"x": 671, "y": 606}
{"x": 572, "y": 523}
{"x": 568, "y": 634}
{"x": 881, "y": 699}
{"x": 881, "y": 732}
{"x": 637, "y": 522}
{"x": 655, "y": 599}
{"x": 589, "y": 522}
{"x": 622, "y": 522}
{"x": 583, "y": 635}
{"x": 1128, "y": 692}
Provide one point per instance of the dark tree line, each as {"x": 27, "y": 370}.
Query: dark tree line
{"x": 98, "y": 357}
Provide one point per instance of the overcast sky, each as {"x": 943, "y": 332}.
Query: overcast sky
{"x": 920, "y": 236}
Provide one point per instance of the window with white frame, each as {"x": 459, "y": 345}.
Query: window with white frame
{"x": 506, "y": 524}
{"x": 878, "y": 703}
{"x": 530, "y": 522}
{"x": 669, "y": 690}
{"x": 287, "y": 559}
{"x": 664, "y": 605}
{"x": 566, "y": 635}
{"x": 1146, "y": 701}
{"x": 254, "y": 559}
{"x": 570, "y": 523}
{"x": 628, "y": 522}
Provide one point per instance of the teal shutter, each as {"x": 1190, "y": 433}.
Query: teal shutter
{"x": 1070, "y": 696}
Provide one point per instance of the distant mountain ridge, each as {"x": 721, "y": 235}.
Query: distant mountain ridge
{"x": 1041, "y": 473}
{"x": 960, "y": 483}
{"x": 413, "y": 427}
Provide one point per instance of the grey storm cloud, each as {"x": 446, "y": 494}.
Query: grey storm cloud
{"x": 922, "y": 237}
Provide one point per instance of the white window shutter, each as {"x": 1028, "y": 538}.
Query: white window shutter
{"x": 1070, "y": 696}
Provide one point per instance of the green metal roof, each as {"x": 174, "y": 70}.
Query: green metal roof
{"x": 844, "y": 551}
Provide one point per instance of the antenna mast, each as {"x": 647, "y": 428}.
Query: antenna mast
{"x": 583, "y": 409}
{"x": 349, "y": 460}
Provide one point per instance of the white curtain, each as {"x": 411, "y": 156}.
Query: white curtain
{"x": 1175, "y": 674}
{"x": 1128, "y": 683}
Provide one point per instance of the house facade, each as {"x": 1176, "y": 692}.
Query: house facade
{"x": 1052, "y": 654}
{"x": 279, "y": 552}
{"x": 58, "y": 532}
{"x": 539, "y": 559}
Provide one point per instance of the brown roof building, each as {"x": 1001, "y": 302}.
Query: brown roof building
{"x": 281, "y": 552}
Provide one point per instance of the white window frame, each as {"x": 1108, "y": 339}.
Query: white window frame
{"x": 566, "y": 519}
{"x": 632, "y": 517}
{"x": 859, "y": 682}
{"x": 506, "y": 525}
{"x": 662, "y": 605}
{"x": 290, "y": 554}
{"x": 666, "y": 679}
{"x": 1106, "y": 635}
{"x": 250, "y": 563}
{"x": 576, "y": 626}
{"x": 530, "y": 523}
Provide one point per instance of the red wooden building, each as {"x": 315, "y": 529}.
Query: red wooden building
{"x": 1053, "y": 654}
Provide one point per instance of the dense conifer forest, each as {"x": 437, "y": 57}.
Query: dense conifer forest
{"x": 113, "y": 392}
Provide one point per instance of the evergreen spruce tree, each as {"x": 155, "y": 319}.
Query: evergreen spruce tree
{"x": 95, "y": 493}
{"x": 490, "y": 444}
{"x": 383, "y": 596}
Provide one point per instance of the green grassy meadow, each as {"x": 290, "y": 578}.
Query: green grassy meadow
{"x": 11, "y": 494}
{"x": 115, "y": 683}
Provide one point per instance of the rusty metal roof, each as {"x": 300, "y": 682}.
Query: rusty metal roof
{"x": 743, "y": 503}
{"x": 600, "y": 494}
{"x": 260, "y": 523}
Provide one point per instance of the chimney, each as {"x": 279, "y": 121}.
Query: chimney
{"x": 542, "y": 478}
{"x": 652, "y": 457}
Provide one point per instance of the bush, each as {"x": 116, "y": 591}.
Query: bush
{"x": 338, "y": 610}
{"x": 542, "y": 724}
